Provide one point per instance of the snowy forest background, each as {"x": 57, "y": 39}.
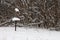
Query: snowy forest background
{"x": 45, "y": 13}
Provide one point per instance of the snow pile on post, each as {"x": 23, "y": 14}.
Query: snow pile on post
{"x": 15, "y": 19}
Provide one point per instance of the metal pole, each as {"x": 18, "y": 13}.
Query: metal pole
{"x": 15, "y": 25}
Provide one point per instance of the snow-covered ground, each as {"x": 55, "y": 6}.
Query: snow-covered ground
{"x": 22, "y": 33}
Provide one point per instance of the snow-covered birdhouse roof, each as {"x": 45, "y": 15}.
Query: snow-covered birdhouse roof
{"x": 15, "y": 19}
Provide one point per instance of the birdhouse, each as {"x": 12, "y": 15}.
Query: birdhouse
{"x": 15, "y": 19}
